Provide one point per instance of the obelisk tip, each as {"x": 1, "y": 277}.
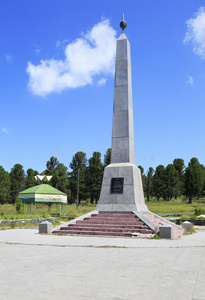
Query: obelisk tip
{"x": 123, "y": 24}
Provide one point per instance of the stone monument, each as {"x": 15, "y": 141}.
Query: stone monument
{"x": 121, "y": 202}
{"x": 122, "y": 184}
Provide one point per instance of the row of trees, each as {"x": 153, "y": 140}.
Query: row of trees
{"x": 90, "y": 177}
{"x": 164, "y": 182}
{"x": 175, "y": 180}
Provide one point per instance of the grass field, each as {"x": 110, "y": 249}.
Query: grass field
{"x": 173, "y": 207}
{"x": 8, "y": 211}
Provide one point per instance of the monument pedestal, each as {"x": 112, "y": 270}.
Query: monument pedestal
{"x": 122, "y": 189}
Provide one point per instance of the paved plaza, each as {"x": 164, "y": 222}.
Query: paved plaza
{"x": 37, "y": 266}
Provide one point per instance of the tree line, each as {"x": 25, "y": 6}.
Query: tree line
{"x": 165, "y": 183}
{"x": 90, "y": 177}
{"x": 175, "y": 180}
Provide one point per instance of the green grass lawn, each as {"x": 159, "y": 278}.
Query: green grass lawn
{"x": 170, "y": 208}
{"x": 8, "y": 211}
{"x": 72, "y": 211}
{"x": 175, "y": 206}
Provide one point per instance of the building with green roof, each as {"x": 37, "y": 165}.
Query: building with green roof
{"x": 43, "y": 193}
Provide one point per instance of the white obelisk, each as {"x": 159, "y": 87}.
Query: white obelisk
{"x": 122, "y": 184}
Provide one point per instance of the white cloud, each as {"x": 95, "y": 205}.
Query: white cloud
{"x": 196, "y": 33}
{"x": 89, "y": 56}
{"x": 5, "y": 130}
{"x": 190, "y": 80}
{"x": 9, "y": 59}
{"x": 38, "y": 49}
{"x": 101, "y": 81}
{"x": 61, "y": 43}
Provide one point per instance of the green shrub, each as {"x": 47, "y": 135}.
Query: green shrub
{"x": 19, "y": 205}
{"x": 12, "y": 225}
{"x": 45, "y": 215}
{"x": 156, "y": 237}
{"x": 199, "y": 211}
{"x": 85, "y": 202}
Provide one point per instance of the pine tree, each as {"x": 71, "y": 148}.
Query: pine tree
{"x": 171, "y": 180}
{"x": 159, "y": 182}
{"x": 107, "y": 157}
{"x": 58, "y": 171}
{"x": 18, "y": 180}
{"x": 194, "y": 179}
{"x": 148, "y": 188}
{"x": 95, "y": 174}
{"x": 179, "y": 166}
{"x": 30, "y": 178}
{"x": 4, "y": 186}
{"x": 79, "y": 162}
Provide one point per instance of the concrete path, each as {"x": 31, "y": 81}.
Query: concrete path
{"x": 34, "y": 266}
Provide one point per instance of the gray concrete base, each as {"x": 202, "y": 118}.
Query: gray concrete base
{"x": 45, "y": 227}
{"x": 186, "y": 225}
{"x": 132, "y": 197}
{"x": 166, "y": 231}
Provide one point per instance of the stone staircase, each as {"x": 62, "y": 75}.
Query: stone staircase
{"x": 107, "y": 224}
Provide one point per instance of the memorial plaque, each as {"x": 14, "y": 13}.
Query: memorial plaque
{"x": 117, "y": 185}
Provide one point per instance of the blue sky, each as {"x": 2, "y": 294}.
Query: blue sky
{"x": 57, "y": 79}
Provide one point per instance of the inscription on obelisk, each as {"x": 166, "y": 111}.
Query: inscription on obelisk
{"x": 117, "y": 185}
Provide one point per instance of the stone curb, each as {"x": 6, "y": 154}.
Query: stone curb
{"x": 21, "y": 221}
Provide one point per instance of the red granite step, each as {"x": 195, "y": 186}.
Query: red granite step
{"x": 107, "y": 224}
{"x": 114, "y": 215}
{"x": 120, "y": 215}
{"x": 95, "y": 219}
{"x": 104, "y": 221}
{"x": 135, "y": 230}
{"x": 101, "y": 233}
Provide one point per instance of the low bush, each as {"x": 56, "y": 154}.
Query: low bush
{"x": 85, "y": 202}
{"x": 12, "y": 225}
{"x": 19, "y": 205}
{"x": 199, "y": 211}
{"x": 156, "y": 237}
{"x": 44, "y": 214}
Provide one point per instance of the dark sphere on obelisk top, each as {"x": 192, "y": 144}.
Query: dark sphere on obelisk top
{"x": 123, "y": 24}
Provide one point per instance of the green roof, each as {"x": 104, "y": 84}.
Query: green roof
{"x": 42, "y": 189}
